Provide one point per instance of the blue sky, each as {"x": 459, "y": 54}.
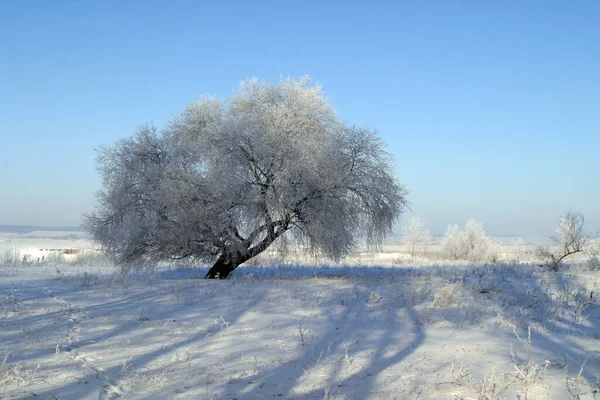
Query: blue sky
{"x": 491, "y": 108}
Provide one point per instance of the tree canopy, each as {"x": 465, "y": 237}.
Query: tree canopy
{"x": 226, "y": 178}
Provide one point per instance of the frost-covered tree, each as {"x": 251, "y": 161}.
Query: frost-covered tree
{"x": 226, "y": 179}
{"x": 472, "y": 244}
{"x": 414, "y": 234}
{"x": 453, "y": 245}
{"x": 572, "y": 239}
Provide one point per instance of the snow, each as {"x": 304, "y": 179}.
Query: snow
{"x": 74, "y": 328}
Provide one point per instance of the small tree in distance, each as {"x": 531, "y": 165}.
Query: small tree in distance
{"x": 226, "y": 179}
{"x": 571, "y": 239}
{"x": 415, "y": 234}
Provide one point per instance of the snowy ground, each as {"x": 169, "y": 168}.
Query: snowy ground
{"x": 72, "y": 328}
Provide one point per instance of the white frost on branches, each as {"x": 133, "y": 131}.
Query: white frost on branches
{"x": 415, "y": 234}
{"x": 225, "y": 179}
{"x": 472, "y": 244}
{"x": 572, "y": 239}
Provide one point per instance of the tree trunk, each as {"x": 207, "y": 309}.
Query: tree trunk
{"x": 230, "y": 259}
{"x": 224, "y": 266}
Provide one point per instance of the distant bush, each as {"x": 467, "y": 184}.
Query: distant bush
{"x": 415, "y": 234}
{"x": 472, "y": 244}
{"x": 593, "y": 261}
{"x": 10, "y": 257}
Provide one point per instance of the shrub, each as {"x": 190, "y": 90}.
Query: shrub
{"x": 472, "y": 244}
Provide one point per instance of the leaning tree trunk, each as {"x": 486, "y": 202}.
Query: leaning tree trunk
{"x": 224, "y": 266}
{"x": 230, "y": 259}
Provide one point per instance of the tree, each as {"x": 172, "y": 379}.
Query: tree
{"x": 415, "y": 234}
{"x": 453, "y": 244}
{"x": 571, "y": 239}
{"x": 472, "y": 244}
{"x": 226, "y": 179}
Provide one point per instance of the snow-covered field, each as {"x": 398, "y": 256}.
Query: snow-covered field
{"x": 383, "y": 326}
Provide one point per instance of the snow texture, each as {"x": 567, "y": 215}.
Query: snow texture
{"x": 72, "y": 327}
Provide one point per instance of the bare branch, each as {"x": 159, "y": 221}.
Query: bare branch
{"x": 572, "y": 239}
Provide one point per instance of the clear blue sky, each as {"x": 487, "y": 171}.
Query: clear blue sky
{"x": 492, "y": 108}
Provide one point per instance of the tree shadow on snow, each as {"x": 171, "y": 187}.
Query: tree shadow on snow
{"x": 353, "y": 341}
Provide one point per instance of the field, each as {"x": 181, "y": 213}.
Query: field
{"x": 383, "y": 325}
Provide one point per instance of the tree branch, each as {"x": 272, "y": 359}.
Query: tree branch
{"x": 268, "y": 240}
{"x": 269, "y": 227}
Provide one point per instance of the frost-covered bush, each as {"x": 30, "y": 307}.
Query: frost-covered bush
{"x": 415, "y": 234}
{"x": 472, "y": 244}
{"x": 10, "y": 257}
{"x": 593, "y": 261}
